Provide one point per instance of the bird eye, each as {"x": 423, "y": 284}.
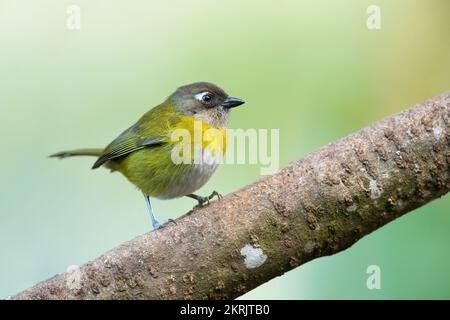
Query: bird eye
{"x": 207, "y": 97}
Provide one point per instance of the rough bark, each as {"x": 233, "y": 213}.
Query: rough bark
{"x": 316, "y": 206}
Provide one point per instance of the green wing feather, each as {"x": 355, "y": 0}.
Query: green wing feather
{"x": 141, "y": 135}
{"x": 121, "y": 147}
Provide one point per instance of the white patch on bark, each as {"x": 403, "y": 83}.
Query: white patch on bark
{"x": 309, "y": 246}
{"x": 384, "y": 175}
{"x": 352, "y": 208}
{"x": 73, "y": 280}
{"x": 409, "y": 133}
{"x": 254, "y": 257}
{"x": 437, "y": 133}
{"x": 375, "y": 191}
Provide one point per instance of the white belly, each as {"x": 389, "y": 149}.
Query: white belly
{"x": 194, "y": 177}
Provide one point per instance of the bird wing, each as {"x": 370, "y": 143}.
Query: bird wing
{"x": 129, "y": 141}
{"x": 145, "y": 133}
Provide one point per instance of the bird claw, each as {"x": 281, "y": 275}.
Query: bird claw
{"x": 207, "y": 200}
{"x": 215, "y": 193}
{"x": 164, "y": 224}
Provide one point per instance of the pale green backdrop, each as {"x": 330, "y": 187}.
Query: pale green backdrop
{"x": 310, "y": 68}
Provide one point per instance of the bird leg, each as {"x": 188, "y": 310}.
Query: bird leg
{"x": 155, "y": 223}
{"x": 202, "y": 200}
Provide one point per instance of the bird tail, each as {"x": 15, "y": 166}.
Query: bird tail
{"x": 79, "y": 152}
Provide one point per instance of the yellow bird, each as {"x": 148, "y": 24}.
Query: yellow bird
{"x": 174, "y": 148}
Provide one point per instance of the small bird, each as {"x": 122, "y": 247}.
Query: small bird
{"x": 144, "y": 152}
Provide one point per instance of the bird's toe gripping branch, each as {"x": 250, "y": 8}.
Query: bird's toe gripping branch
{"x": 202, "y": 200}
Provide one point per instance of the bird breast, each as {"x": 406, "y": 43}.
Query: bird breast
{"x": 194, "y": 176}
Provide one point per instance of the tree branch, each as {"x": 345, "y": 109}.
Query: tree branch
{"x": 316, "y": 206}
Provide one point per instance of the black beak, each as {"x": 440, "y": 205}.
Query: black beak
{"x": 232, "y": 102}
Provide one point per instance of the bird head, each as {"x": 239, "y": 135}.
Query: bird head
{"x": 205, "y": 101}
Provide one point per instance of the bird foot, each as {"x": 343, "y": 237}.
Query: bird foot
{"x": 158, "y": 225}
{"x": 206, "y": 200}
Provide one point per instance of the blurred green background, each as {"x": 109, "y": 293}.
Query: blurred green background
{"x": 310, "y": 68}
